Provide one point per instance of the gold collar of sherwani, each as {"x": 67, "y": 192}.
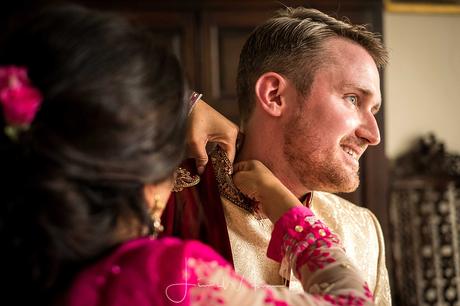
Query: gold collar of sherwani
{"x": 223, "y": 170}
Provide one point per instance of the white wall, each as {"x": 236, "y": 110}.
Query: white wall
{"x": 422, "y": 81}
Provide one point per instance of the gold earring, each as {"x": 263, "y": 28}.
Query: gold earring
{"x": 155, "y": 214}
{"x": 184, "y": 179}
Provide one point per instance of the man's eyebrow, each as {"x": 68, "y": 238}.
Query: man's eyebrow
{"x": 376, "y": 107}
{"x": 362, "y": 89}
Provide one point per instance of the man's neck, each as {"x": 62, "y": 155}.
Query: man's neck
{"x": 272, "y": 158}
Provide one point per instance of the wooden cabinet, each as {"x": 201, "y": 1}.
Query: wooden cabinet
{"x": 425, "y": 225}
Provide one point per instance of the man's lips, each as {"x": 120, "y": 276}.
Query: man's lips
{"x": 353, "y": 151}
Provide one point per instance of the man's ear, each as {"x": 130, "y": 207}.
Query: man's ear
{"x": 269, "y": 89}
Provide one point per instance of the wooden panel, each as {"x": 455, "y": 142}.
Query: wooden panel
{"x": 223, "y": 36}
{"x": 230, "y": 42}
{"x": 175, "y": 30}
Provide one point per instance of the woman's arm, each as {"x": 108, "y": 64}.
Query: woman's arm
{"x": 205, "y": 125}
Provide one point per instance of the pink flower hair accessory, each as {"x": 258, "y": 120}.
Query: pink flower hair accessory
{"x": 19, "y": 99}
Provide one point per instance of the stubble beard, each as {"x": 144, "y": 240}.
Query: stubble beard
{"x": 316, "y": 169}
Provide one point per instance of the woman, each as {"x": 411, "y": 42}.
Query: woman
{"x": 94, "y": 123}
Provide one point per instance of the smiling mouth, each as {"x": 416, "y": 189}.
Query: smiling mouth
{"x": 352, "y": 153}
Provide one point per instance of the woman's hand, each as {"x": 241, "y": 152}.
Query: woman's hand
{"x": 258, "y": 183}
{"x": 205, "y": 125}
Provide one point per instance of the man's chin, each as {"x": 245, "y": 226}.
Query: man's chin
{"x": 349, "y": 189}
{"x": 351, "y": 185}
{"x": 343, "y": 186}
{"x": 337, "y": 188}
{"x": 332, "y": 179}
{"x": 349, "y": 182}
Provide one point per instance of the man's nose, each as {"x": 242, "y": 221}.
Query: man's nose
{"x": 369, "y": 130}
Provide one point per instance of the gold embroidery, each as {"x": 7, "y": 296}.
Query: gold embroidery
{"x": 184, "y": 179}
{"x": 223, "y": 170}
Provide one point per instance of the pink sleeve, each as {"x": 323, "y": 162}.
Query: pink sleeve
{"x": 300, "y": 238}
{"x": 287, "y": 225}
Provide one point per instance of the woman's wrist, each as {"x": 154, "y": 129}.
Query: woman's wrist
{"x": 193, "y": 100}
{"x": 283, "y": 201}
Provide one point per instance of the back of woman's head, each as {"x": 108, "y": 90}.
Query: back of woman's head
{"x": 112, "y": 119}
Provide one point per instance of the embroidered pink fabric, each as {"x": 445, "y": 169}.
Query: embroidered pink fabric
{"x": 302, "y": 239}
{"x": 169, "y": 271}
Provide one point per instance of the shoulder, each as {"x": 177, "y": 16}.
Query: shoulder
{"x": 332, "y": 201}
{"x": 342, "y": 215}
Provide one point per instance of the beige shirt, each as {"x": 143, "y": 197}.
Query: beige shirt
{"x": 356, "y": 227}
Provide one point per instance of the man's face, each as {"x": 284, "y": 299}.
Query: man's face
{"x": 332, "y": 127}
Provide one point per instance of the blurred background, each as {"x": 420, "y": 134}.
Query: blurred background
{"x": 411, "y": 180}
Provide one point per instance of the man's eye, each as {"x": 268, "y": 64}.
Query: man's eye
{"x": 352, "y": 99}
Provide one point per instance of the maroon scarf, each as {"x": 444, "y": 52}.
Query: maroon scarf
{"x": 197, "y": 213}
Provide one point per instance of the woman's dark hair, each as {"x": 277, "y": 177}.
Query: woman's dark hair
{"x": 112, "y": 120}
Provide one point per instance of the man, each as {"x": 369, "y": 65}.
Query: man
{"x": 308, "y": 91}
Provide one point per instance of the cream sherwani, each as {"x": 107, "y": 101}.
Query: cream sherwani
{"x": 357, "y": 228}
